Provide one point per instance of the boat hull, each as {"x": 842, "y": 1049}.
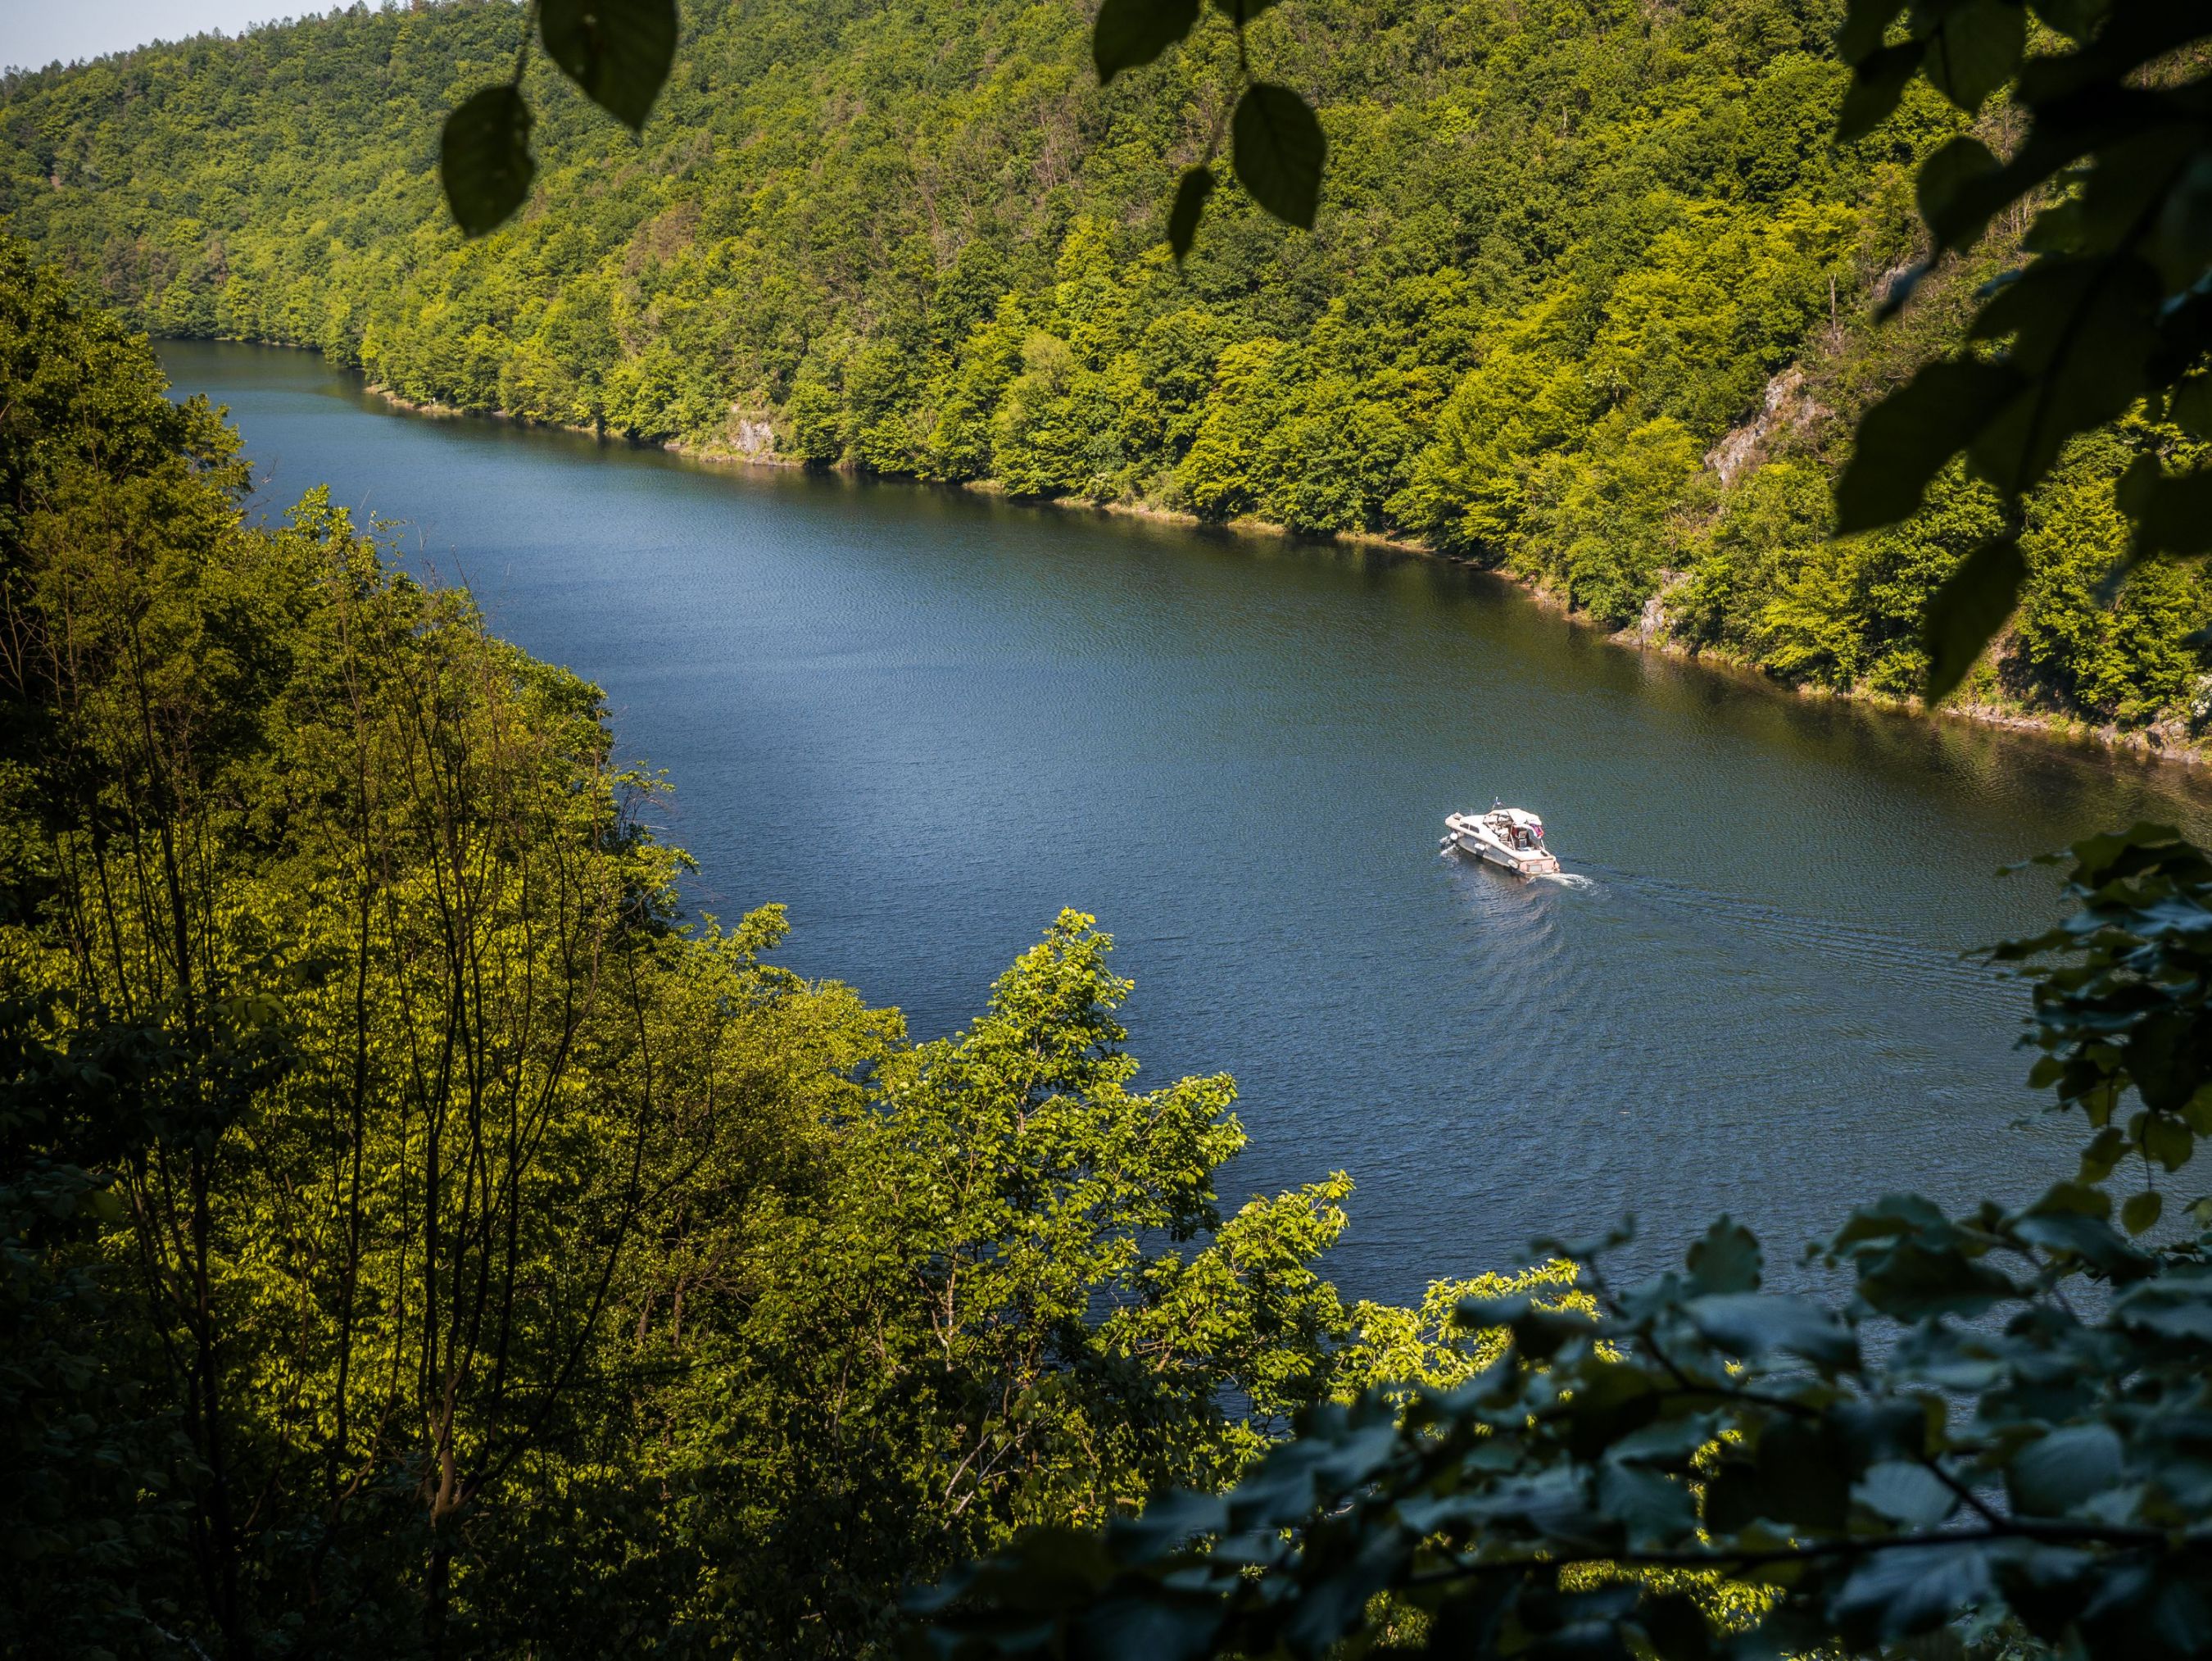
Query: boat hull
{"x": 1520, "y": 863}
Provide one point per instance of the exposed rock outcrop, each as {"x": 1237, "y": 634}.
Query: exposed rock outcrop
{"x": 1785, "y": 409}
{"x": 1655, "y": 626}
{"x": 750, "y": 433}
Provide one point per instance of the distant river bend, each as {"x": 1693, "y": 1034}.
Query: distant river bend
{"x": 926, "y": 720}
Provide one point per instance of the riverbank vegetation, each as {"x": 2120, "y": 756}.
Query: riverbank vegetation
{"x": 1589, "y": 296}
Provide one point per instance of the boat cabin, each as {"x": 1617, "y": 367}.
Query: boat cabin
{"x": 1517, "y": 828}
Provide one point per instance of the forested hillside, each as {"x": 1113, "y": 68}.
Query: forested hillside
{"x": 1590, "y": 294}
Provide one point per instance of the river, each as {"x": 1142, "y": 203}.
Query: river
{"x": 926, "y": 720}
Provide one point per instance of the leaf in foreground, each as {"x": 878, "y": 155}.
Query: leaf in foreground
{"x": 618, "y": 51}
{"x": 483, "y": 159}
{"x": 1968, "y": 612}
{"x": 1279, "y": 151}
{"x": 1189, "y": 202}
{"x": 1132, "y": 32}
{"x": 1905, "y": 440}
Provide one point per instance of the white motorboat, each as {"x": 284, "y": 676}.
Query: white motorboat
{"x": 1512, "y": 838}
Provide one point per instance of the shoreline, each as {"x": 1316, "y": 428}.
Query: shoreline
{"x": 2060, "y": 731}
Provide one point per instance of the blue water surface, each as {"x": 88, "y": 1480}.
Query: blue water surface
{"x": 924, "y": 721}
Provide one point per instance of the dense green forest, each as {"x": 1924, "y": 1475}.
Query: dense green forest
{"x": 1589, "y": 296}
{"x": 413, "y": 1240}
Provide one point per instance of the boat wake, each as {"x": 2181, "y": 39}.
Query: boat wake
{"x": 1748, "y": 930}
{"x": 1573, "y": 879}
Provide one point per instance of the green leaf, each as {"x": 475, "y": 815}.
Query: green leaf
{"x": 2073, "y": 1217}
{"x": 2172, "y": 513}
{"x": 2142, "y": 1211}
{"x": 1673, "y": 1625}
{"x": 1877, "y": 87}
{"x": 1160, "y": 1623}
{"x": 1911, "y": 1279}
{"x": 1132, "y": 32}
{"x": 1800, "y": 1482}
{"x": 1898, "y": 1592}
{"x": 1892, "y": 1215}
{"x": 1906, "y": 1493}
{"x": 2190, "y": 406}
{"x": 2083, "y": 332}
{"x": 1975, "y": 49}
{"x": 1726, "y": 1260}
{"x": 1049, "y": 1565}
{"x": 1865, "y": 22}
{"x": 1614, "y": 1399}
{"x": 618, "y": 51}
{"x": 1541, "y": 1334}
{"x": 2049, "y": 1476}
{"x": 1279, "y": 152}
{"x": 1330, "y": 1604}
{"x": 1878, "y": 1430}
{"x": 2168, "y": 1140}
{"x": 1951, "y": 198}
{"x": 1905, "y": 441}
{"x": 1968, "y": 612}
{"x": 1665, "y": 1441}
{"x": 1196, "y": 185}
{"x": 1752, "y": 1324}
{"x": 2180, "y": 1312}
{"x": 2074, "y": 18}
{"x": 1732, "y": 1501}
{"x": 2087, "y": 1238}
{"x": 2183, "y": 245}
{"x": 1653, "y": 1510}
{"x": 2159, "y": 1054}
{"x": 1478, "y": 1314}
{"x": 2104, "y": 1151}
{"x": 1168, "y": 1521}
{"x": 483, "y": 159}
{"x": 2062, "y": 228}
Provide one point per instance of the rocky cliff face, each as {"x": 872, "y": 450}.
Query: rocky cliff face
{"x": 751, "y": 435}
{"x": 1786, "y": 408}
